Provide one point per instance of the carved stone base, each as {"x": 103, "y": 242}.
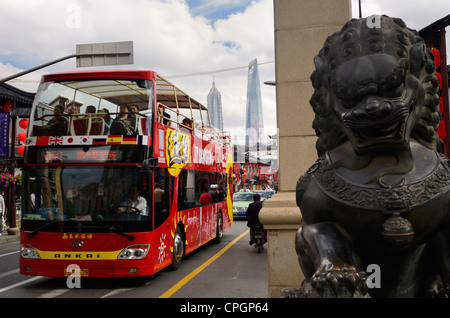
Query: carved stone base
{"x": 13, "y": 231}
{"x": 292, "y": 293}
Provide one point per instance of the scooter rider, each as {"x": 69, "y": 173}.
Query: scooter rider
{"x": 253, "y": 215}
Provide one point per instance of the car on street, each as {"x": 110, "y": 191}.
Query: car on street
{"x": 262, "y": 193}
{"x": 241, "y": 200}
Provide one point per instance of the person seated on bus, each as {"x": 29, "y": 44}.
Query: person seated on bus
{"x": 123, "y": 124}
{"x": 72, "y": 111}
{"x": 186, "y": 126}
{"x": 163, "y": 116}
{"x": 214, "y": 193}
{"x": 205, "y": 198}
{"x": 222, "y": 191}
{"x": 90, "y": 109}
{"x": 159, "y": 198}
{"x": 58, "y": 125}
{"x": 104, "y": 113}
{"x": 134, "y": 204}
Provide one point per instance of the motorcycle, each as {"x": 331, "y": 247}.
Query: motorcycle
{"x": 259, "y": 238}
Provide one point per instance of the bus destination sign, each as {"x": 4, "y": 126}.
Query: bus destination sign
{"x": 72, "y": 155}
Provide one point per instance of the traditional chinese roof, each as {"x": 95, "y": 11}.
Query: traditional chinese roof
{"x": 22, "y": 98}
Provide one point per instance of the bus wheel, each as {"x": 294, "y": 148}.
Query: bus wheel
{"x": 178, "y": 249}
{"x": 219, "y": 229}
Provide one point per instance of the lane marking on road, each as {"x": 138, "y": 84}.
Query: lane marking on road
{"x": 9, "y": 253}
{"x": 14, "y": 271}
{"x": 54, "y": 293}
{"x": 187, "y": 278}
{"x": 116, "y": 291}
{"x": 19, "y": 284}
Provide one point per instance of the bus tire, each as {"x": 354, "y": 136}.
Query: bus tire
{"x": 178, "y": 249}
{"x": 219, "y": 229}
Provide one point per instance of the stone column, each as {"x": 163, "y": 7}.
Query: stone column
{"x": 301, "y": 28}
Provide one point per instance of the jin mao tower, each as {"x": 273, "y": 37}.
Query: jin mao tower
{"x": 214, "y": 103}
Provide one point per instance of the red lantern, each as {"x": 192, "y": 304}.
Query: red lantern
{"x": 22, "y": 136}
{"x": 21, "y": 149}
{"x": 23, "y": 123}
{"x": 7, "y": 106}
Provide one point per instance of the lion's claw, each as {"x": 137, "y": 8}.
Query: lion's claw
{"x": 334, "y": 281}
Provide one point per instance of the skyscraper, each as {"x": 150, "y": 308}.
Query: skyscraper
{"x": 254, "y": 123}
{"x": 214, "y": 104}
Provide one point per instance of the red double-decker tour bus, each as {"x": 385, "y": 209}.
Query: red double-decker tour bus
{"x": 116, "y": 169}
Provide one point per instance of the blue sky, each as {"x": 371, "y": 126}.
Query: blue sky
{"x": 217, "y": 9}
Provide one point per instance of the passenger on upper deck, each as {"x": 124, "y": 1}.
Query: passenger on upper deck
{"x": 58, "y": 125}
{"x": 104, "y": 113}
{"x": 124, "y": 123}
{"x": 186, "y": 126}
{"x": 163, "y": 116}
{"x": 90, "y": 109}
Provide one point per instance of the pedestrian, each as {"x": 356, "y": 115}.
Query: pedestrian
{"x": 2, "y": 213}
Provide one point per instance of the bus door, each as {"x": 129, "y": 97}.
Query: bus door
{"x": 163, "y": 194}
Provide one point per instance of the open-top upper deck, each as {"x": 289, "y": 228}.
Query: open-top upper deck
{"x": 166, "y": 92}
{"x": 123, "y": 107}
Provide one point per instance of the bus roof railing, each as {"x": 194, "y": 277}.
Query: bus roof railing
{"x": 170, "y": 95}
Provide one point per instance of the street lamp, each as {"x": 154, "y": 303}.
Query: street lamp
{"x": 271, "y": 83}
{"x": 97, "y": 54}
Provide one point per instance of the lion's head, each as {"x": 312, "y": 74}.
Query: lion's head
{"x": 375, "y": 86}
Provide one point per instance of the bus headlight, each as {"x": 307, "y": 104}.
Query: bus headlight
{"x": 136, "y": 251}
{"x": 28, "y": 251}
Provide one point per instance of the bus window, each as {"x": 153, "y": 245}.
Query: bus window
{"x": 163, "y": 194}
{"x": 204, "y": 180}
{"x": 186, "y": 190}
{"x": 85, "y": 198}
{"x": 94, "y": 107}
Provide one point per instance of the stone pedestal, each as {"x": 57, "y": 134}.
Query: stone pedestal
{"x": 13, "y": 231}
{"x": 301, "y": 28}
{"x": 281, "y": 218}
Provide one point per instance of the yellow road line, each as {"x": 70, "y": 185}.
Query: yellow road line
{"x": 187, "y": 278}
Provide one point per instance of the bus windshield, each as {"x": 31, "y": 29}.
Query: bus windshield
{"x": 85, "y": 199}
{"x": 93, "y": 107}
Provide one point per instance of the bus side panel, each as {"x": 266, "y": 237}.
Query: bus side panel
{"x": 162, "y": 244}
{"x": 193, "y": 229}
{"x": 201, "y": 224}
{"x": 208, "y": 218}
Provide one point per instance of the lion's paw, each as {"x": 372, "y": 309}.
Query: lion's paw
{"x": 335, "y": 281}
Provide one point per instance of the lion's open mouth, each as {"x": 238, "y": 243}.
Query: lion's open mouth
{"x": 389, "y": 129}
{"x": 386, "y": 131}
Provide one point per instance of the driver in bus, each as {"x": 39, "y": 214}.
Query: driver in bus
{"x": 135, "y": 204}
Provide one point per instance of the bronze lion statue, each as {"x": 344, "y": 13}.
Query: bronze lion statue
{"x": 375, "y": 205}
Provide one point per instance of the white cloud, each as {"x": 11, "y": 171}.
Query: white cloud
{"x": 416, "y": 14}
{"x": 169, "y": 38}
